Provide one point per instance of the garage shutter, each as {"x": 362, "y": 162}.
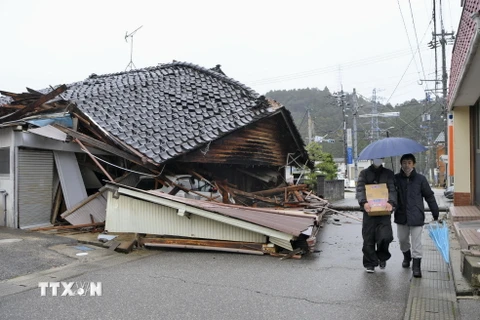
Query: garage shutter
{"x": 35, "y": 184}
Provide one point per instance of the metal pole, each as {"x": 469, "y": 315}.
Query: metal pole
{"x": 345, "y": 152}
{"x": 355, "y": 113}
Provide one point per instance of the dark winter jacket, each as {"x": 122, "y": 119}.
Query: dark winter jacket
{"x": 372, "y": 175}
{"x": 411, "y": 192}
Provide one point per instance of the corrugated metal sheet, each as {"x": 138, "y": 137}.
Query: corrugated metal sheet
{"x": 70, "y": 178}
{"x": 96, "y": 207}
{"x": 281, "y": 243}
{"x": 35, "y": 179}
{"x": 251, "y": 219}
{"x": 49, "y": 132}
{"x": 128, "y": 214}
{"x": 130, "y": 179}
{"x": 281, "y": 221}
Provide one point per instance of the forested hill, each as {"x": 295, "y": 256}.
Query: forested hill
{"x": 327, "y": 117}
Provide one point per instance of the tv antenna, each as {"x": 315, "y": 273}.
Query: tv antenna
{"x": 131, "y": 65}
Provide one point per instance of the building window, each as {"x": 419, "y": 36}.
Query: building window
{"x": 4, "y": 160}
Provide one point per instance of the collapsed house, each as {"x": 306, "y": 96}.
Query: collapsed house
{"x": 213, "y": 151}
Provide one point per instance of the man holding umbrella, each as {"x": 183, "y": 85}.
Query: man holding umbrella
{"x": 376, "y": 230}
{"x": 412, "y": 188}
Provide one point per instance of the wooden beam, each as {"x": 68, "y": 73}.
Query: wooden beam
{"x": 57, "y": 203}
{"x": 253, "y": 196}
{"x": 270, "y": 192}
{"x": 32, "y": 106}
{"x": 97, "y": 143}
{"x": 96, "y": 224}
{"x": 94, "y": 160}
{"x": 204, "y": 242}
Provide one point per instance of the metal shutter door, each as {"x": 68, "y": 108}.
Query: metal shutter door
{"x": 35, "y": 184}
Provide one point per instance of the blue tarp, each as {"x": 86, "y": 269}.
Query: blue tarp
{"x": 65, "y": 121}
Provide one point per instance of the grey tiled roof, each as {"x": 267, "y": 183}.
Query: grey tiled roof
{"x": 167, "y": 110}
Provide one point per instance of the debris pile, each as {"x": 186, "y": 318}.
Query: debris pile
{"x": 176, "y": 155}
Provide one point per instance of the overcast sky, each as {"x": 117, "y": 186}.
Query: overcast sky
{"x": 267, "y": 45}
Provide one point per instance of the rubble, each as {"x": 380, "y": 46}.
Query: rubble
{"x": 118, "y": 140}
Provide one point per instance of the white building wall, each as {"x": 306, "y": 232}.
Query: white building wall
{"x": 7, "y": 185}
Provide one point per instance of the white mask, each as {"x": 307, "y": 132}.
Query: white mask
{"x": 407, "y": 170}
{"x": 377, "y": 162}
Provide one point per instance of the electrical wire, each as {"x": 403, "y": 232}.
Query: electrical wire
{"x": 413, "y": 59}
{"x": 416, "y": 38}
{"x": 408, "y": 36}
{"x": 332, "y": 68}
{"x": 122, "y": 168}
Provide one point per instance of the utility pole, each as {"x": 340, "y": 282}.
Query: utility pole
{"x": 345, "y": 146}
{"x": 310, "y": 127}
{"x": 434, "y": 44}
{"x": 374, "y": 134}
{"x": 341, "y": 103}
{"x": 355, "y": 114}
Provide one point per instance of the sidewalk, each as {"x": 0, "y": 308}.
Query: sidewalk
{"x": 434, "y": 296}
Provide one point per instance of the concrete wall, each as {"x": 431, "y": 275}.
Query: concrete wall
{"x": 330, "y": 189}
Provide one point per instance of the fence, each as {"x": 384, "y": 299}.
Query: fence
{"x": 330, "y": 189}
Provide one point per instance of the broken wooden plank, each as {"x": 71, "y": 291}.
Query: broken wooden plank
{"x": 32, "y": 106}
{"x": 271, "y": 192}
{"x": 96, "y": 224}
{"x": 112, "y": 245}
{"x": 292, "y": 254}
{"x": 203, "y": 243}
{"x": 57, "y": 203}
{"x": 298, "y": 196}
{"x": 126, "y": 246}
{"x": 253, "y": 196}
{"x": 99, "y": 144}
{"x": 94, "y": 160}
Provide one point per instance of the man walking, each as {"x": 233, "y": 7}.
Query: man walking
{"x": 376, "y": 230}
{"x": 412, "y": 188}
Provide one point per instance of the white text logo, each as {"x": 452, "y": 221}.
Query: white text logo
{"x": 70, "y": 289}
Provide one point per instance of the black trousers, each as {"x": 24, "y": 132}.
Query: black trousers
{"x": 377, "y": 235}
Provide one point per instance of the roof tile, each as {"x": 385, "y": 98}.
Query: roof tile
{"x": 164, "y": 102}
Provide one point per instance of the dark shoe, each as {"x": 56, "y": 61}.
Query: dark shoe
{"x": 417, "y": 272}
{"x": 407, "y": 257}
{"x": 382, "y": 264}
{"x": 370, "y": 269}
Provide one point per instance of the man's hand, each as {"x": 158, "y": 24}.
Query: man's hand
{"x": 367, "y": 207}
{"x": 389, "y": 207}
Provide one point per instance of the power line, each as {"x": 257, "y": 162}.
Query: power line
{"x": 408, "y": 37}
{"x": 416, "y": 38}
{"x": 413, "y": 57}
{"x": 332, "y": 68}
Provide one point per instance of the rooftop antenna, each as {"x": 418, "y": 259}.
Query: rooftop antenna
{"x": 131, "y": 65}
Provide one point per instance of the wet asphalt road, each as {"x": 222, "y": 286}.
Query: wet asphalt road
{"x": 329, "y": 284}
{"x": 23, "y": 252}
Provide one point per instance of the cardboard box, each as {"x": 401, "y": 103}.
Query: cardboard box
{"x": 377, "y": 197}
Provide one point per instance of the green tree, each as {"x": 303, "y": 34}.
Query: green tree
{"x": 324, "y": 164}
